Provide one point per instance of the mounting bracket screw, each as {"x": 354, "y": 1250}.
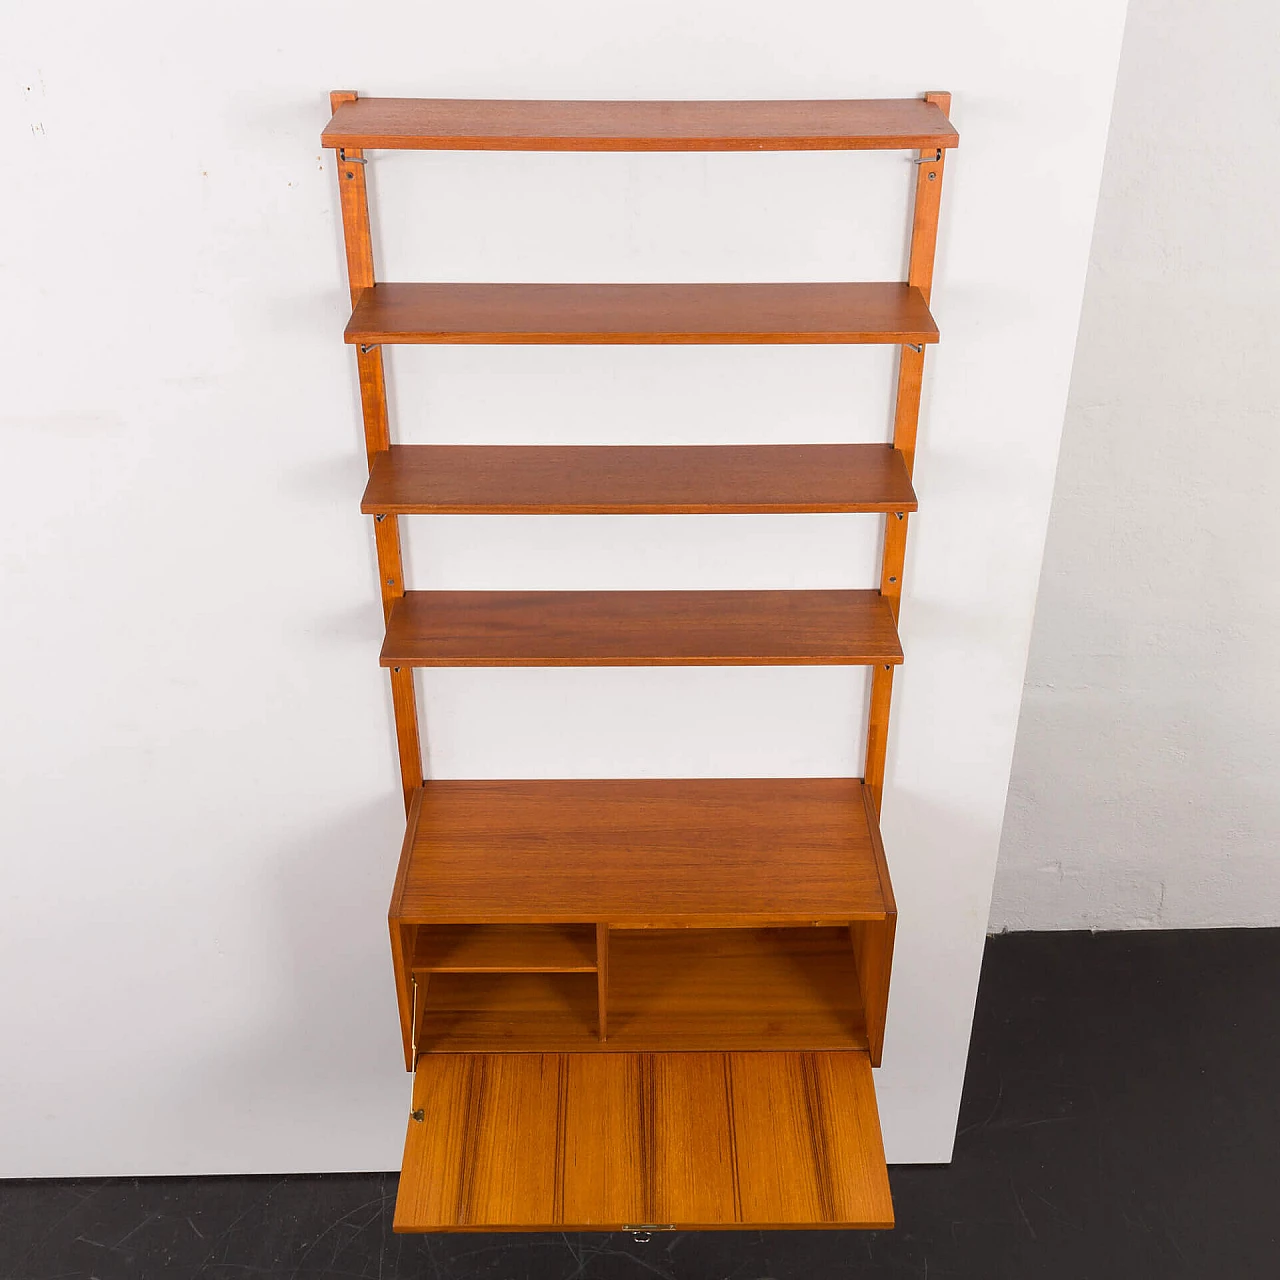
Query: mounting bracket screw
{"x": 417, "y": 1115}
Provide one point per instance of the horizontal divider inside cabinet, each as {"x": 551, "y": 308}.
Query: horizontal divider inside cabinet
{"x": 505, "y": 948}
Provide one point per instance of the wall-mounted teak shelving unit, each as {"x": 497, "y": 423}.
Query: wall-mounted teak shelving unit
{"x": 636, "y": 1004}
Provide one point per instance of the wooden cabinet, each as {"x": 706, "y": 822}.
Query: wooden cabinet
{"x": 641, "y": 1004}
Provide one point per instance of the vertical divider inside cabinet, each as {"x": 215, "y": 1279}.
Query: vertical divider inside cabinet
{"x": 602, "y": 978}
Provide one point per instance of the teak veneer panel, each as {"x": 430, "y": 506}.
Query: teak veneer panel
{"x": 441, "y": 479}
{"x": 651, "y": 851}
{"x": 691, "y": 989}
{"x": 506, "y": 948}
{"x": 639, "y": 628}
{"x": 465, "y": 124}
{"x": 670, "y": 990}
{"x": 510, "y": 1013}
{"x": 641, "y": 313}
{"x": 609, "y": 1141}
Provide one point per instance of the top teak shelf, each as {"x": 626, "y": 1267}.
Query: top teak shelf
{"x": 466, "y": 124}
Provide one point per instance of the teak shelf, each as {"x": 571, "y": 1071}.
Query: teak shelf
{"x": 513, "y": 479}
{"x": 459, "y": 124}
{"x": 640, "y": 313}
{"x": 639, "y": 629}
{"x": 641, "y": 1004}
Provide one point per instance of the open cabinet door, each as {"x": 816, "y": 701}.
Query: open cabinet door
{"x": 623, "y": 1141}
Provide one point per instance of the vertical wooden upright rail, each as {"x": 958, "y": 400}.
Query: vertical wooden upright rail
{"x": 354, "y": 196}
{"x": 906, "y": 418}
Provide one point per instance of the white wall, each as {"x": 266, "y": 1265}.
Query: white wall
{"x": 1144, "y": 785}
{"x": 201, "y": 818}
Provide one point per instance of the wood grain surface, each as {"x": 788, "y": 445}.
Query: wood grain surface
{"x": 675, "y": 990}
{"x": 461, "y": 124}
{"x": 424, "y": 479}
{"x": 873, "y": 943}
{"x": 611, "y": 1141}
{"x": 734, "y": 989}
{"x": 649, "y": 851}
{"x": 505, "y": 948}
{"x": 641, "y": 313}
{"x": 510, "y": 1013}
{"x": 639, "y": 628}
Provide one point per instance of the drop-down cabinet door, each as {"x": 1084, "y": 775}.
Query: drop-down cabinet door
{"x": 628, "y": 1141}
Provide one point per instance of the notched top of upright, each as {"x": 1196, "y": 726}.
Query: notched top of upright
{"x": 470, "y": 124}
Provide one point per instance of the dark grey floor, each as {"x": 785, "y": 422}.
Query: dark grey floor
{"x": 1120, "y": 1119}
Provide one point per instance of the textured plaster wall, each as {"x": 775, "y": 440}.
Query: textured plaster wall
{"x": 1146, "y": 781}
